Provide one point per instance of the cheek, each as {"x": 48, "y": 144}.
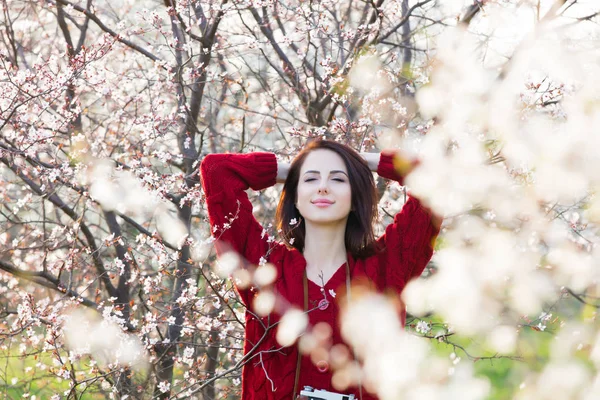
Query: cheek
{"x": 349, "y": 201}
{"x": 300, "y": 194}
{"x": 346, "y": 194}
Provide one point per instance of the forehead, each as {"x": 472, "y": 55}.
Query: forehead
{"x": 323, "y": 160}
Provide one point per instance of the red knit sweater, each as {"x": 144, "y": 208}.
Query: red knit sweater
{"x": 407, "y": 242}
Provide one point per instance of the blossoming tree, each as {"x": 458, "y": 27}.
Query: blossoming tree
{"x": 109, "y": 285}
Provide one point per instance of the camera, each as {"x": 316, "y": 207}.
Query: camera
{"x": 310, "y": 393}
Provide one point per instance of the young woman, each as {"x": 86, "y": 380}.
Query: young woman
{"x": 326, "y": 214}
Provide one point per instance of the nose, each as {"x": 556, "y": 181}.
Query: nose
{"x": 323, "y": 188}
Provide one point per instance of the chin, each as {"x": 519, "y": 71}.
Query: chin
{"x": 326, "y": 220}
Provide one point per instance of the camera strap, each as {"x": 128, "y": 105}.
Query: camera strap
{"x": 298, "y": 361}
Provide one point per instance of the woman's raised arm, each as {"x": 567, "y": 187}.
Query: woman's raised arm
{"x": 225, "y": 179}
{"x": 408, "y": 241}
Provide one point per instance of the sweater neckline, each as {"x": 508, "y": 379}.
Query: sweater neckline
{"x": 335, "y": 277}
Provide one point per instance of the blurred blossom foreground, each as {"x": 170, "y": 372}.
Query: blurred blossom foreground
{"x": 109, "y": 283}
{"x": 86, "y": 333}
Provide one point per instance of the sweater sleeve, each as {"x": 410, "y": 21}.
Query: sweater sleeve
{"x": 408, "y": 241}
{"x": 225, "y": 179}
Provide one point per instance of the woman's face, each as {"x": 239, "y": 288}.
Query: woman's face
{"x": 324, "y": 194}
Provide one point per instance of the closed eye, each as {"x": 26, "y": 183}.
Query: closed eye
{"x": 314, "y": 179}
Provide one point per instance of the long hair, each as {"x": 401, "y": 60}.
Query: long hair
{"x": 359, "y": 237}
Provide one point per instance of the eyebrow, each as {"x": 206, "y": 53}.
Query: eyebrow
{"x": 335, "y": 171}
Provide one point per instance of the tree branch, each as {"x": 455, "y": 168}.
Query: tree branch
{"x": 403, "y": 21}
{"x": 106, "y": 29}
{"x": 581, "y": 299}
{"x": 123, "y": 296}
{"x": 57, "y": 201}
{"x": 48, "y": 281}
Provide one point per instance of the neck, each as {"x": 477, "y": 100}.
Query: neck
{"x": 324, "y": 245}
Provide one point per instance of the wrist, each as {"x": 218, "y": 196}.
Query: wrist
{"x": 372, "y": 160}
{"x": 282, "y": 171}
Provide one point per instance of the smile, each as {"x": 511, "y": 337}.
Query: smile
{"x": 322, "y": 203}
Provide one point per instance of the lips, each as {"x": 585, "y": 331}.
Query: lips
{"x": 322, "y": 202}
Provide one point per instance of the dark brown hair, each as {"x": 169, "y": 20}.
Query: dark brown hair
{"x": 359, "y": 236}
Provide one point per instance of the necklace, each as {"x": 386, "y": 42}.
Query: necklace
{"x": 323, "y": 303}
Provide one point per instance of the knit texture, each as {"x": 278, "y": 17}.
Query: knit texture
{"x": 270, "y": 369}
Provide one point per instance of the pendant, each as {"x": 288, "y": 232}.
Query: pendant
{"x": 323, "y": 304}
